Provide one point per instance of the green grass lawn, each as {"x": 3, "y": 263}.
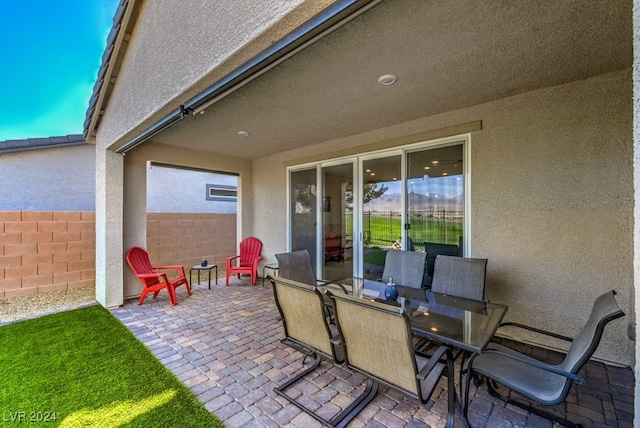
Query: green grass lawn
{"x": 84, "y": 368}
{"x": 385, "y": 230}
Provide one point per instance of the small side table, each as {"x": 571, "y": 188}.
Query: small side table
{"x": 199, "y": 268}
{"x": 275, "y": 269}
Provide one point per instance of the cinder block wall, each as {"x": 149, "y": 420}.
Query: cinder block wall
{"x": 42, "y": 251}
{"x": 184, "y": 238}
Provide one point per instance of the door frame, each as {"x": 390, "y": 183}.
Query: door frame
{"x": 357, "y": 162}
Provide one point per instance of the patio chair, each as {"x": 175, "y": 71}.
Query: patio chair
{"x": 152, "y": 280}
{"x": 246, "y": 261}
{"x": 378, "y": 343}
{"x": 405, "y": 268}
{"x": 296, "y": 266}
{"x": 433, "y": 249}
{"x": 456, "y": 276}
{"x": 459, "y": 276}
{"x": 541, "y": 382}
{"x": 306, "y": 328}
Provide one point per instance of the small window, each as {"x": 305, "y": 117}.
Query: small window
{"x": 220, "y": 192}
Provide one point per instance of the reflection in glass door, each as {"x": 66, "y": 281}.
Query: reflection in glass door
{"x": 303, "y": 197}
{"x": 337, "y": 217}
{"x": 349, "y": 213}
{"x": 381, "y": 212}
{"x": 435, "y": 201}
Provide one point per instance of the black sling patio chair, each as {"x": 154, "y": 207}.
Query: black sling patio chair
{"x": 543, "y": 383}
{"x": 461, "y": 277}
{"x": 307, "y": 329}
{"x": 296, "y": 266}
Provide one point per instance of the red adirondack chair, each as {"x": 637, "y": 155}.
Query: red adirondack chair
{"x": 152, "y": 280}
{"x": 247, "y": 261}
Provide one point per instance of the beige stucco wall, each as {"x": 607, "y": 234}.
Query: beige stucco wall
{"x": 174, "y": 53}
{"x": 135, "y": 176}
{"x": 552, "y": 201}
{"x": 178, "y": 52}
{"x": 636, "y": 170}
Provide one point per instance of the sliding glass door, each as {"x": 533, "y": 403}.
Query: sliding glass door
{"x": 350, "y": 212}
{"x": 303, "y": 192}
{"x": 337, "y": 220}
{"x": 381, "y": 215}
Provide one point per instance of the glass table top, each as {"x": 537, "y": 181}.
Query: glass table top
{"x": 463, "y": 323}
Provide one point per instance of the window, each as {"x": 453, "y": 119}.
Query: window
{"x": 221, "y": 192}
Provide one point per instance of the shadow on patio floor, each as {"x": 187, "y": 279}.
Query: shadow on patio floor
{"x": 224, "y": 344}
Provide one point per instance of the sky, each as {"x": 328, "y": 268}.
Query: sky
{"x": 50, "y": 53}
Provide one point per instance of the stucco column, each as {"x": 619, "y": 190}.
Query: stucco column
{"x": 109, "y": 221}
{"x": 636, "y": 185}
{"x": 134, "y": 213}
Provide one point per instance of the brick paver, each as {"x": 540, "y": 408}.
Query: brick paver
{"x": 224, "y": 344}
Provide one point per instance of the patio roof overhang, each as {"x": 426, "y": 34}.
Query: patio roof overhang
{"x": 447, "y": 56}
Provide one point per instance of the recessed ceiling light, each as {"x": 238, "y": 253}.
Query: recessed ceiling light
{"x": 387, "y": 79}
{"x": 244, "y": 133}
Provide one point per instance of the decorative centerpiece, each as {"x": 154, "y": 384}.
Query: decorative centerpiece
{"x": 391, "y": 291}
{"x": 204, "y": 262}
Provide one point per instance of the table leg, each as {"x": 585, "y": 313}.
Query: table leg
{"x": 216, "y": 274}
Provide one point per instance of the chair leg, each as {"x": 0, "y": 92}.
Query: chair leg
{"x": 491, "y": 386}
{"x": 143, "y": 294}
{"x": 227, "y": 281}
{"x": 172, "y": 295}
{"x": 186, "y": 284}
{"x": 341, "y": 419}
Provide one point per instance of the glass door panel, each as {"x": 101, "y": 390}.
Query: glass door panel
{"x": 381, "y": 212}
{"x": 435, "y": 201}
{"x": 303, "y": 211}
{"x": 337, "y": 221}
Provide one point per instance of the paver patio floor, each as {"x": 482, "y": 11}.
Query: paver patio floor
{"x": 224, "y": 344}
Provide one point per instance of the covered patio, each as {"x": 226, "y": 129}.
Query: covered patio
{"x": 224, "y": 344}
{"x": 537, "y": 97}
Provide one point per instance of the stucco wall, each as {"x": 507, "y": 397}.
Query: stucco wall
{"x": 184, "y": 191}
{"x": 178, "y": 52}
{"x": 135, "y": 209}
{"x": 56, "y": 179}
{"x": 551, "y": 200}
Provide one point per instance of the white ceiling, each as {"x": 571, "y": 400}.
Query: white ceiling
{"x": 447, "y": 55}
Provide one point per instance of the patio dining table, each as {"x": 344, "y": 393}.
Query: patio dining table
{"x": 454, "y": 321}
{"x": 462, "y": 323}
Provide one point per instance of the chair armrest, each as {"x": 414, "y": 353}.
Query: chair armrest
{"x": 532, "y": 362}
{"x": 328, "y": 285}
{"x": 435, "y": 359}
{"x": 172, "y": 267}
{"x": 163, "y": 276}
{"x": 229, "y": 261}
{"x": 149, "y": 275}
{"x": 536, "y": 330}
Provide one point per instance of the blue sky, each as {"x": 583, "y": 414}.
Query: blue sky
{"x": 50, "y": 52}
